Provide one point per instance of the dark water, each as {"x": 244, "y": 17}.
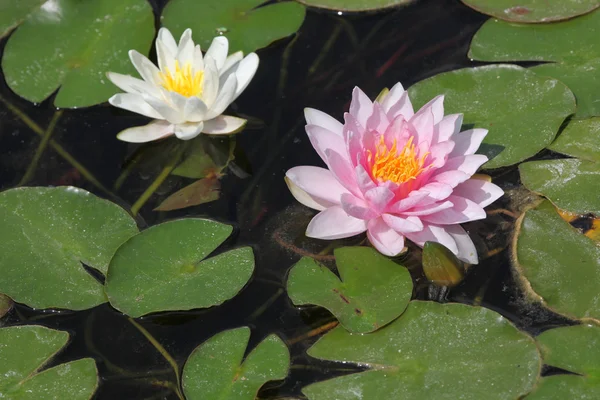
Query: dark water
{"x": 371, "y": 51}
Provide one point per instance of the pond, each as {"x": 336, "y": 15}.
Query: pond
{"x": 533, "y": 288}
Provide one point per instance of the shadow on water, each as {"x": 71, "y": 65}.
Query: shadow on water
{"x": 371, "y": 51}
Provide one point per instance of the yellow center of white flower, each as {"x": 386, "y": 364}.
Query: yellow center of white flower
{"x": 183, "y": 80}
{"x": 398, "y": 166}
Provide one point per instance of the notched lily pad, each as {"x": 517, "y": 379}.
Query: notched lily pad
{"x": 433, "y": 351}
{"x": 164, "y": 268}
{"x": 571, "y": 47}
{"x": 581, "y": 139}
{"x": 13, "y": 12}
{"x": 24, "y": 350}
{"x": 532, "y": 11}
{"x": 522, "y": 110}
{"x": 355, "y": 5}
{"x": 46, "y": 236}
{"x": 216, "y": 369}
{"x": 556, "y": 264}
{"x": 373, "y": 289}
{"x": 575, "y": 349}
{"x": 568, "y": 183}
{"x": 248, "y": 24}
{"x": 71, "y": 44}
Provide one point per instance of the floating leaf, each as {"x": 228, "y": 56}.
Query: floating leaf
{"x": 441, "y": 266}
{"x": 558, "y": 264}
{"x": 74, "y": 43}
{"x": 24, "y": 350}
{"x": 581, "y": 139}
{"x": 433, "y": 351}
{"x": 568, "y": 183}
{"x": 373, "y": 289}
{"x": 45, "y": 237}
{"x": 205, "y": 156}
{"x": 6, "y": 304}
{"x": 216, "y": 369}
{"x": 247, "y": 24}
{"x": 200, "y": 192}
{"x": 575, "y": 349}
{"x": 572, "y": 46}
{"x": 520, "y": 125}
{"x": 533, "y": 10}
{"x": 12, "y": 13}
{"x": 163, "y": 268}
{"x": 355, "y": 5}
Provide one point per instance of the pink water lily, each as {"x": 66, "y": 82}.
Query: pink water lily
{"x": 395, "y": 174}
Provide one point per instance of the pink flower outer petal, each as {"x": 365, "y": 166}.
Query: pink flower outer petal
{"x": 334, "y": 223}
{"x": 386, "y": 240}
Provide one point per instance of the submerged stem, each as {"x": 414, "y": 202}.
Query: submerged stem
{"x": 163, "y": 352}
{"x": 40, "y": 149}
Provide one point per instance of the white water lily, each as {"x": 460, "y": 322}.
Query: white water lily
{"x": 187, "y": 93}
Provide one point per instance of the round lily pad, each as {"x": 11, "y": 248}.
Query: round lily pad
{"x": 373, "y": 290}
{"x": 247, "y": 24}
{"x": 533, "y": 10}
{"x": 522, "y": 110}
{"x": 71, "y": 44}
{"x": 433, "y": 351}
{"x": 572, "y": 47}
{"x": 568, "y": 183}
{"x": 217, "y": 369}
{"x": 24, "y": 350}
{"x": 355, "y": 5}
{"x": 12, "y": 13}
{"x": 164, "y": 268}
{"x": 48, "y": 235}
{"x": 557, "y": 264}
{"x": 580, "y": 139}
{"x": 575, "y": 349}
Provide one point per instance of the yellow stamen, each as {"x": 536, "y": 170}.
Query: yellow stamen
{"x": 396, "y": 166}
{"x": 183, "y": 81}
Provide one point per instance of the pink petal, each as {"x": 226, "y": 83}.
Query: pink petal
{"x": 437, "y": 108}
{"x": 316, "y": 117}
{"x": 439, "y": 153}
{"x": 361, "y": 107}
{"x": 467, "y": 142}
{"x": 323, "y": 139}
{"x": 422, "y": 123}
{"x": 363, "y": 179}
{"x": 413, "y": 199}
{"x": 387, "y": 241}
{"x": 477, "y": 190}
{"x": 437, "y": 190}
{"x": 463, "y": 210}
{"x": 378, "y": 121}
{"x": 357, "y": 208}
{"x": 319, "y": 183}
{"x": 334, "y": 223}
{"x": 353, "y": 135}
{"x": 398, "y": 103}
{"x": 451, "y": 178}
{"x": 448, "y": 126}
{"x": 398, "y": 130}
{"x": 305, "y": 198}
{"x": 403, "y": 224}
{"x": 466, "y": 248}
{"x": 434, "y": 233}
{"x": 429, "y": 209}
{"x": 379, "y": 197}
{"x": 467, "y": 164}
{"x": 341, "y": 168}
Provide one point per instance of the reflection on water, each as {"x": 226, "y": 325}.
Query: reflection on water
{"x": 319, "y": 68}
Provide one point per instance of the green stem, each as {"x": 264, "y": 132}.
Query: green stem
{"x": 166, "y": 171}
{"x": 56, "y": 147}
{"x": 325, "y": 50}
{"x": 163, "y": 353}
{"x": 40, "y": 150}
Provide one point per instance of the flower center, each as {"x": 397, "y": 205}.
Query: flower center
{"x": 395, "y": 165}
{"x": 182, "y": 80}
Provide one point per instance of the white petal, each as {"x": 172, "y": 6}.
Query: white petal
{"x": 224, "y": 98}
{"x": 316, "y": 117}
{"x": 210, "y": 82}
{"x": 194, "y": 110}
{"x": 218, "y": 50}
{"x": 166, "y": 59}
{"x": 433, "y": 233}
{"x": 223, "y": 125}
{"x": 130, "y": 84}
{"x": 148, "y": 71}
{"x": 245, "y": 72}
{"x": 185, "y": 50}
{"x": 147, "y": 133}
{"x": 165, "y": 110}
{"x": 165, "y": 36}
{"x": 188, "y": 130}
{"x": 135, "y": 103}
{"x": 306, "y": 199}
{"x": 318, "y": 182}
{"x": 198, "y": 59}
{"x": 231, "y": 62}
{"x": 466, "y": 248}
{"x": 334, "y": 223}
{"x": 179, "y": 102}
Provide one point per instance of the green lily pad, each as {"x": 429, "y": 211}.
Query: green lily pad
{"x": 433, "y": 351}
{"x": 6, "y": 304}
{"x": 355, "y": 5}
{"x": 12, "y": 13}
{"x": 533, "y": 10}
{"x": 568, "y": 183}
{"x": 373, "y": 289}
{"x": 24, "y": 350}
{"x": 557, "y": 264}
{"x": 572, "y": 46}
{"x": 441, "y": 266}
{"x": 163, "y": 268}
{"x": 200, "y": 192}
{"x": 216, "y": 369}
{"x": 71, "y": 44}
{"x": 520, "y": 124}
{"x": 46, "y": 235}
{"x": 581, "y": 139}
{"x": 575, "y": 349}
{"x": 247, "y": 25}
